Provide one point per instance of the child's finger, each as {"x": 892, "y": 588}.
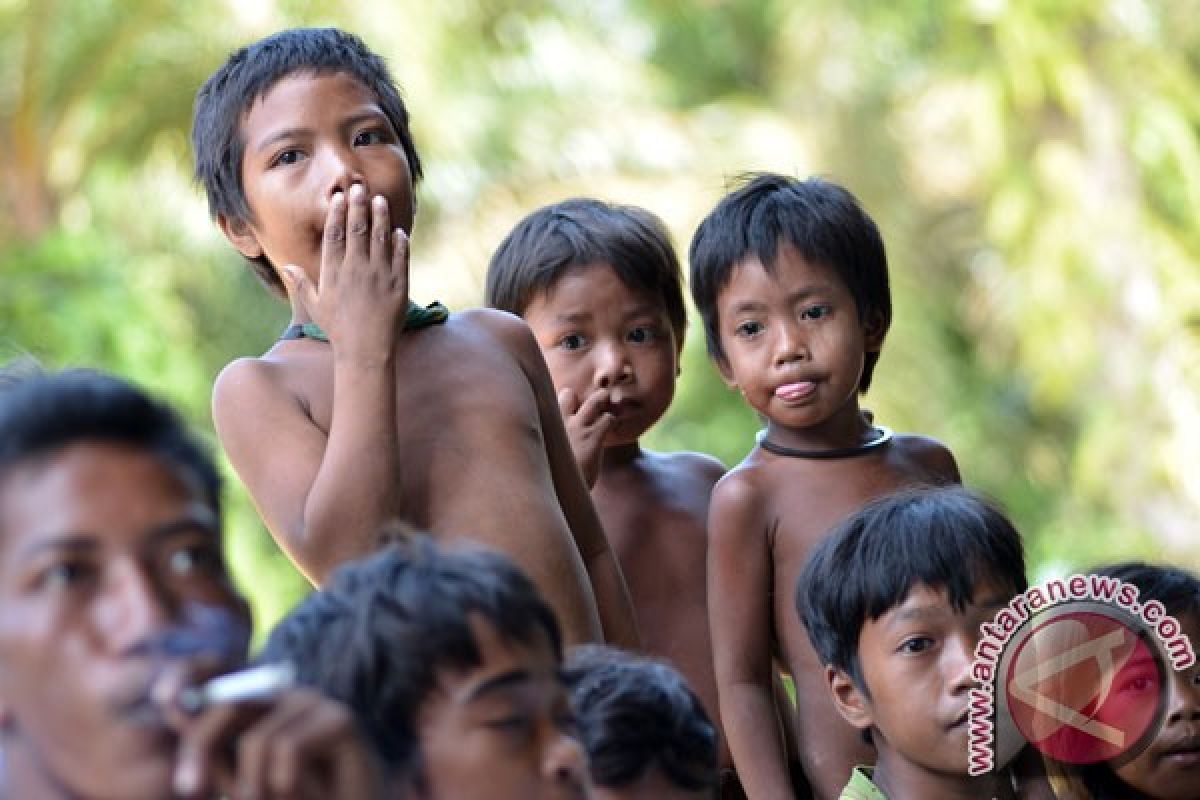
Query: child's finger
{"x": 358, "y": 225}
{"x": 333, "y": 242}
{"x": 596, "y": 404}
{"x": 381, "y": 231}
{"x": 400, "y": 256}
{"x": 568, "y": 403}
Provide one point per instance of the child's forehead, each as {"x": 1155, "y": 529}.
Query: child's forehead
{"x": 577, "y": 284}
{"x": 305, "y": 80}
{"x": 787, "y": 265}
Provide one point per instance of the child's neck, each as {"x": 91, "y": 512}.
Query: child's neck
{"x": 849, "y": 428}
{"x": 620, "y": 456}
{"x": 900, "y": 779}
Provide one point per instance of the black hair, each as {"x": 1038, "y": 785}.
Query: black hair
{"x": 249, "y": 74}
{"x": 635, "y": 713}
{"x": 822, "y": 220}
{"x": 1176, "y": 588}
{"x": 555, "y": 239}
{"x": 947, "y": 538}
{"x": 43, "y": 413}
{"x": 376, "y": 637}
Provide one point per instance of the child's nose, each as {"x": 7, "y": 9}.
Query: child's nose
{"x": 342, "y": 172}
{"x": 789, "y": 344}
{"x": 1183, "y": 698}
{"x": 564, "y": 762}
{"x": 613, "y": 366}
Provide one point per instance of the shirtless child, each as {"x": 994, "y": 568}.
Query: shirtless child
{"x": 600, "y": 286}
{"x": 790, "y": 278}
{"x": 303, "y": 147}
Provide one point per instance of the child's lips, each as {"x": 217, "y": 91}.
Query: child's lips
{"x": 794, "y": 392}
{"x": 1184, "y": 753}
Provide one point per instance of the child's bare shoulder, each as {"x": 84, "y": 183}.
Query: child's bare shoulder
{"x": 249, "y": 384}
{"x": 739, "y": 499}
{"x": 928, "y": 457}
{"x": 698, "y": 467}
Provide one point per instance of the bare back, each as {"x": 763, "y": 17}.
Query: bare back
{"x": 770, "y": 511}
{"x": 654, "y": 510}
{"x": 477, "y": 458}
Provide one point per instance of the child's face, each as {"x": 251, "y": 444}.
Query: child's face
{"x": 1169, "y": 769}
{"x": 793, "y": 341}
{"x": 503, "y": 730}
{"x": 915, "y": 661}
{"x": 106, "y": 558}
{"x": 309, "y": 136}
{"x": 598, "y": 334}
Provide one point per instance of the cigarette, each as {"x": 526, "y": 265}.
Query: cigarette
{"x": 257, "y": 683}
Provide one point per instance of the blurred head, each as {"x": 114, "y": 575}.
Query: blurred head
{"x": 821, "y": 221}
{"x": 893, "y": 600}
{"x": 1169, "y": 768}
{"x": 646, "y": 733}
{"x": 219, "y": 139}
{"x": 111, "y": 571}
{"x": 452, "y": 663}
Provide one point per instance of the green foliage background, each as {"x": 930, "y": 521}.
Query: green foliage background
{"x": 1034, "y": 166}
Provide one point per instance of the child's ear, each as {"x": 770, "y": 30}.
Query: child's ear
{"x": 726, "y": 371}
{"x": 850, "y": 701}
{"x": 240, "y": 235}
{"x": 874, "y": 330}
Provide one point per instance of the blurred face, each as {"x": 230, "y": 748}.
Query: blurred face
{"x": 916, "y": 664}
{"x": 110, "y": 569}
{"x": 1169, "y": 769}
{"x": 503, "y": 730}
{"x": 794, "y": 345}
{"x": 598, "y": 334}
{"x": 309, "y": 136}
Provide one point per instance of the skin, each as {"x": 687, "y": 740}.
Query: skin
{"x": 453, "y": 428}
{"x": 799, "y": 329}
{"x": 503, "y": 730}
{"x": 614, "y": 358}
{"x": 916, "y": 660}
{"x": 1169, "y": 769}
{"x": 106, "y": 554}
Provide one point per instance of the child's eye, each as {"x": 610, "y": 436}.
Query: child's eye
{"x": 642, "y": 334}
{"x": 916, "y": 644}
{"x": 364, "y": 138}
{"x": 750, "y": 328}
{"x": 287, "y": 157}
{"x": 572, "y": 341}
{"x": 195, "y": 558}
{"x": 815, "y": 312}
{"x": 65, "y": 574}
{"x": 511, "y": 724}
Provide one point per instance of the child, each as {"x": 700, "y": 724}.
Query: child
{"x": 645, "y": 731}
{"x": 599, "y": 285}
{"x": 303, "y": 147}
{"x": 893, "y": 600}
{"x": 790, "y": 278}
{"x": 1169, "y": 767}
{"x": 452, "y": 662}
{"x": 114, "y": 594}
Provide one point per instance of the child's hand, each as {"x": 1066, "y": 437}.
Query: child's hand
{"x": 587, "y": 424}
{"x": 363, "y": 291}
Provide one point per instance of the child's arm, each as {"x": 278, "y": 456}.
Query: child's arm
{"x": 587, "y": 422}
{"x": 740, "y": 581}
{"x": 324, "y": 497}
{"x": 608, "y": 584}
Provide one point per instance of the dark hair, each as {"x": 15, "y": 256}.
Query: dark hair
{"x": 552, "y": 241}
{"x": 635, "y": 713}
{"x": 42, "y": 413}
{"x": 1177, "y": 589}
{"x": 822, "y": 220}
{"x": 249, "y": 74}
{"x": 376, "y": 637}
{"x": 945, "y": 538}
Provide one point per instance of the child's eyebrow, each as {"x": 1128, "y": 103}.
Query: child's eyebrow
{"x": 287, "y": 133}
